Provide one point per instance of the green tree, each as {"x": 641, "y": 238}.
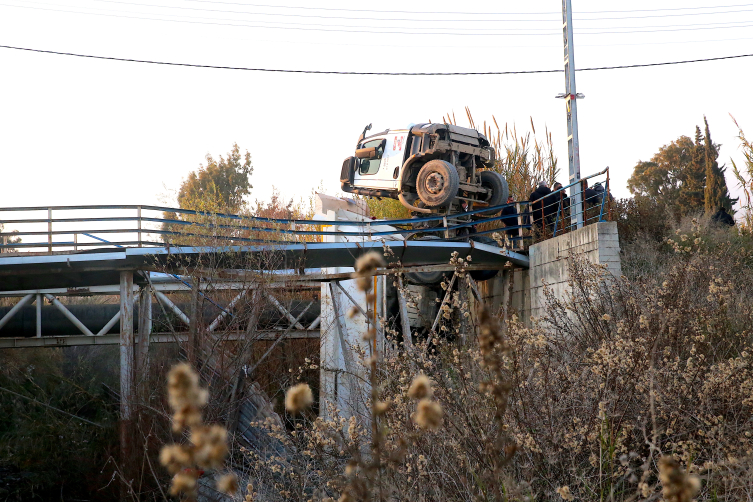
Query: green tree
{"x": 691, "y": 196}
{"x": 663, "y": 177}
{"x": 219, "y": 186}
{"x": 716, "y": 194}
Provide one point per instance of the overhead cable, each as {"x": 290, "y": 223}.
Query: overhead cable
{"x": 338, "y": 28}
{"x": 461, "y": 13}
{"x": 422, "y": 19}
{"x": 324, "y": 72}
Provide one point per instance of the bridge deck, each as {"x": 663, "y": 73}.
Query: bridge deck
{"x": 73, "y": 269}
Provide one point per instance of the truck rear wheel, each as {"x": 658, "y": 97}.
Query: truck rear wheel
{"x": 496, "y": 183}
{"x": 437, "y": 183}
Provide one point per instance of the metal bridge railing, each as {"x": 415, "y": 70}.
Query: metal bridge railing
{"x": 82, "y": 227}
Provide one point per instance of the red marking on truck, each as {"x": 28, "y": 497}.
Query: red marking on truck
{"x": 397, "y": 144}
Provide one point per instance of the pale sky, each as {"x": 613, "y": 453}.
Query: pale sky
{"x": 85, "y": 131}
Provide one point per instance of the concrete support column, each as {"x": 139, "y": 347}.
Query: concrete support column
{"x": 145, "y": 330}
{"x": 127, "y": 387}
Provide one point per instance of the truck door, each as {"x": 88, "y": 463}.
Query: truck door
{"x": 379, "y": 172}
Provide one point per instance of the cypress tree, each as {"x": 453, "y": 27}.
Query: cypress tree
{"x": 716, "y": 194}
{"x": 692, "y": 196}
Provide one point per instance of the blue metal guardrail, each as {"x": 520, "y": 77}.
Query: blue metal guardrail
{"x": 540, "y": 218}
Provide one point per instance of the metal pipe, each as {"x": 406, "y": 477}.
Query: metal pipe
{"x": 411, "y": 207}
{"x": 18, "y": 306}
{"x": 166, "y": 301}
{"x": 67, "y": 313}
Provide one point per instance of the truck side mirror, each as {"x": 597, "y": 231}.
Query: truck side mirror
{"x": 366, "y": 153}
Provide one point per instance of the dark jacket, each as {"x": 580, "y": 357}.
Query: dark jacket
{"x": 591, "y": 196}
{"x": 510, "y": 220}
{"x": 537, "y": 202}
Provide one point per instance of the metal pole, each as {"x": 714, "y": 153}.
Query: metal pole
{"x": 571, "y": 103}
{"x": 49, "y": 230}
{"x": 39, "y": 315}
{"x": 127, "y": 388}
{"x": 145, "y": 329}
{"x": 138, "y": 211}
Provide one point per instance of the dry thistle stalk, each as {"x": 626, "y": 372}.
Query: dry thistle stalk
{"x": 420, "y": 387}
{"x": 366, "y": 266}
{"x": 298, "y": 398}
{"x": 677, "y": 486}
{"x": 208, "y": 447}
{"x": 428, "y": 415}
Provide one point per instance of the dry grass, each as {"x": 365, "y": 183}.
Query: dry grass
{"x": 630, "y": 389}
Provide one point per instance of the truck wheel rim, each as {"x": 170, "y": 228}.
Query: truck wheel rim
{"x": 434, "y": 183}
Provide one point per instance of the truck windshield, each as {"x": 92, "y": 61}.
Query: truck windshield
{"x": 371, "y": 166}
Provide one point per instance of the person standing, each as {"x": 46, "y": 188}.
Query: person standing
{"x": 511, "y": 218}
{"x": 537, "y": 205}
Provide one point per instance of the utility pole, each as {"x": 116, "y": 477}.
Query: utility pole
{"x": 571, "y": 96}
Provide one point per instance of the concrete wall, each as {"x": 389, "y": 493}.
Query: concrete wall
{"x": 598, "y": 243}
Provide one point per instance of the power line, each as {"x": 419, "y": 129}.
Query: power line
{"x": 336, "y": 28}
{"x": 463, "y": 13}
{"x": 324, "y": 72}
{"x": 413, "y": 20}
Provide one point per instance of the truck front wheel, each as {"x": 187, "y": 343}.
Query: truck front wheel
{"x": 437, "y": 183}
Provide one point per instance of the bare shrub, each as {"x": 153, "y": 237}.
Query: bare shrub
{"x": 624, "y": 390}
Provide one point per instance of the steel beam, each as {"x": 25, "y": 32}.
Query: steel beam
{"x": 18, "y": 306}
{"x": 39, "y": 315}
{"x": 67, "y": 313}
{"x": 107, "y": 327}
{"x": 84, "y": 340}
{"x": 283, "y": 311}
{"x": 226, "y": 311}
{"x": 169, "y": 304}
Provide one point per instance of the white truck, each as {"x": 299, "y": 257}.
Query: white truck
{"x": 429, "y": 168}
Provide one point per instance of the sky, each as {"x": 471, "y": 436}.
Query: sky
{"x": 86, "y": 131}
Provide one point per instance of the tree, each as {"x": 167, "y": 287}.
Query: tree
{"x": 691, "y": 197}
{"x": 684, "y": 176}
{"x": 218, "y": 186}
{"x": 663, "y": 177}
{"x": 716, "y": 194}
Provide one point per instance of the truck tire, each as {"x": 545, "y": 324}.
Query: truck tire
{"x": 495, "y": 182}
{"x": 437, "y": 183}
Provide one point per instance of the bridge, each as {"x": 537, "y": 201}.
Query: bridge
{"x": 242, "y": 279}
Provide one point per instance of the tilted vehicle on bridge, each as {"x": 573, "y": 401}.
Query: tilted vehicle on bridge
{"x": 429, "y": 168}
